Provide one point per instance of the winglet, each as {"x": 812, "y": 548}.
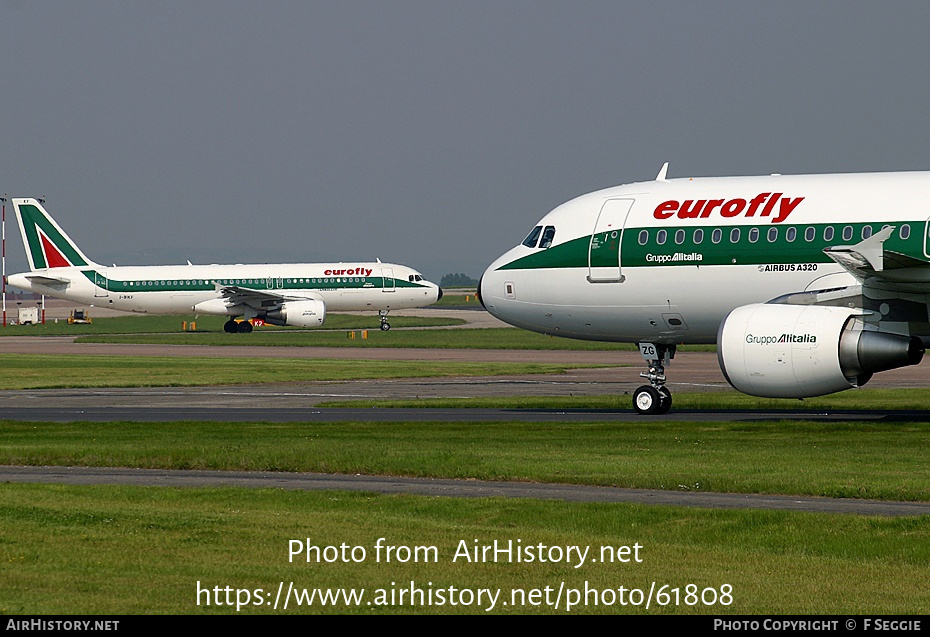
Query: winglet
{"x": 663, "y": 172}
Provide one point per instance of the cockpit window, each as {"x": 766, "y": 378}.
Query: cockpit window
{"x": 414, "y": 277}
{"x": 532, "y": 237}
{"x": 547, "y": 237}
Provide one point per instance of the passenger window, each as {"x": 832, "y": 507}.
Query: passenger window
{"x": 661, "y": 236}
{"x": 716, "y": 235}
{"x": 809, "y": 233}
{"x": 828, "y": 233}
{"x": 866, "y": 232}
{"x": 905, "y": 231}
{"x": 753, "y": 235}
{"x": 532, "y": 237}
{"x": 734, "y": 235}
{"x": 680, "y": 237}
{"x": 547, "y": 237}
{"x": 773, "y": 235}
{"x": 643, "y": 237}
{"x": 847, "y": 233}
{"x": 698, "y": 236}
{"x": 791, "y": 234}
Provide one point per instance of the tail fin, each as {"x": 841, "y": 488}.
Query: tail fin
{"x": 47, "y": 245}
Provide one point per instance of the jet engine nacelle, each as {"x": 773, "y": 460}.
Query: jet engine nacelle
{"x": 308, "y": 313}
{"x": 798, "y": 351}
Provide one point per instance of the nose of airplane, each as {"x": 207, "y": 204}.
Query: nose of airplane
{"x": 439, "y": 297}
{"x": 490, "y": 285}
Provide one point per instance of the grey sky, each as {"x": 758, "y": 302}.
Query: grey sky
{"x": 430, "y": 133}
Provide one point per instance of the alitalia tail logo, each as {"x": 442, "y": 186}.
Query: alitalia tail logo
{"x": 47, "y": 246}
{"x": 53, "y": 256}
{"x": 765, "y": 204}
{"x": 784, "y": 338}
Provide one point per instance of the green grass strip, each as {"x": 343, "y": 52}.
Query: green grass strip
{"x": 173, "y": 324}
{"x": 459, "y": 300}
{"x": 130, "y": 550}
{"x": 483, "y": 338}
{"x": 836, "y": 459}
{"x": 26, "y": 371}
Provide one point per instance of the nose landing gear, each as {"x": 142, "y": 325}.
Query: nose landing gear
{"x": 654, "y": 398}
{"x": 385, "y": 326}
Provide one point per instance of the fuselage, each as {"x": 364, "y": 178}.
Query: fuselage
{"x": 665, "y": 261}
{"x": 176, "y": 289}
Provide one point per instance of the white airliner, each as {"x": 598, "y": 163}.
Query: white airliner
{"x": 808, "y": 284}
{"x": 297, "y": 294}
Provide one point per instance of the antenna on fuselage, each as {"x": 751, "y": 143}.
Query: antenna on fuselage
{"x": 662, "y": 172}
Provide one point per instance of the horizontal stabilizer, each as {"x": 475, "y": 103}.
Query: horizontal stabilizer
{"x": 50, "y": 281}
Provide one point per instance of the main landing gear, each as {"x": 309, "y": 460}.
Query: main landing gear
{"x": 232, "y": 326}
{"x": 382, "y": 314}
{"x": 654, "y": 398}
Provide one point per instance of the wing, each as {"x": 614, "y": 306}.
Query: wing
{"x": 891, "y": 288}
{"x": 874, "y": 266}
{"x": 260, "y": 299}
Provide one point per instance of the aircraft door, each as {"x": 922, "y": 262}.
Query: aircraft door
{"x": 101, "y": 285}
{"x": 387, "y": 275}
{"x": 604, "y": 249}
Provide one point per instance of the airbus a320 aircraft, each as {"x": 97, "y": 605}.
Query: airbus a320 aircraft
{"x": 808, "y": 284}
{"x": 297, "y": 294}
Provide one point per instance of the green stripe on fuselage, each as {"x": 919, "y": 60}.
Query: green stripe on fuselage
{"x": 270, "y": 285}
{"x": 574, "y": 253}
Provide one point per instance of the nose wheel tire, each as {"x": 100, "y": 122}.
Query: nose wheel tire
{"x": 650, "y": 401}
{"x": 385, "y": 326}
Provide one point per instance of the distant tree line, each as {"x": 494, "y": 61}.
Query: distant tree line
{"x": 459, "y": 280}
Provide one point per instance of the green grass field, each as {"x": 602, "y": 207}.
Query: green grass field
{"x": 837, "y": 459}
{"x": 38, "y": 371}
{"x": 483, "y": 338}
{"x": 166, "y": 330}
{"x": 127, "y": 550}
